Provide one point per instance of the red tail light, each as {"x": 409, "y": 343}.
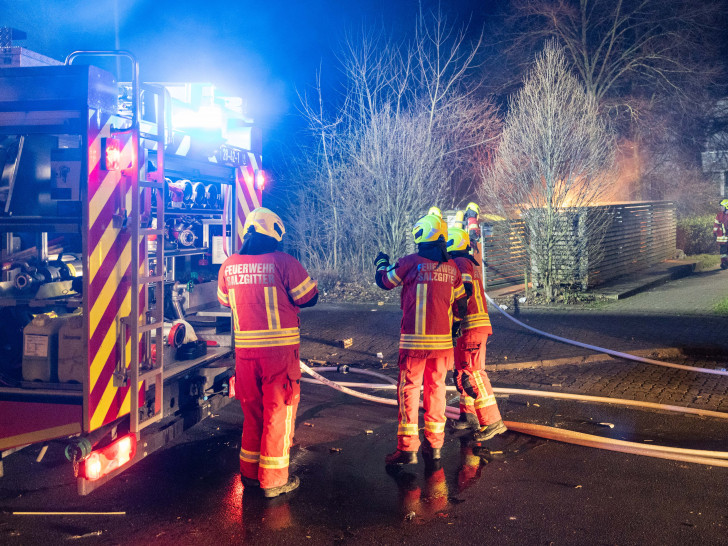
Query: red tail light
{"x": 231, "y": 387}
{"x": 103, "y": 461}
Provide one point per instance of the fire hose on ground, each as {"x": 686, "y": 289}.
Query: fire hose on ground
{"x": 617, "y": 354}
{"x": 713, "y": 458}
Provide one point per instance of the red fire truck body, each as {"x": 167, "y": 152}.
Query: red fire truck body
{"x": 118, "y": 202}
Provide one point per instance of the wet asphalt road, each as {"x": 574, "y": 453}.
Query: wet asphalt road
{"x": 512, "y": 490}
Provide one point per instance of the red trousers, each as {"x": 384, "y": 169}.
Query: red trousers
{"x": 269, "y": 390}
{"x": 476, "y": 393}
{"x": 412, "y": 373}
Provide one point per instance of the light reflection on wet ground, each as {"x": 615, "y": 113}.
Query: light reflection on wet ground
{"x": 345, "y": 493}
{"x": 191, "y": 493}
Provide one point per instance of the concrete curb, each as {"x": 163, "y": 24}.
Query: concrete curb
{"x": 570, "y": 361}
{"x": 656, "y": 354}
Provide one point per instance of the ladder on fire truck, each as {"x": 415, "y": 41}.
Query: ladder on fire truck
{"x": 145, "y": 224}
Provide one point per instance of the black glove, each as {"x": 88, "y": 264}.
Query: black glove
{"x": 381, "y": 261}
{"x": 455, "y": 330}
{"x": 465, "y": 384}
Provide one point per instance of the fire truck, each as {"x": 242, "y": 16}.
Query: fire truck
{"x": 118, "y": 203}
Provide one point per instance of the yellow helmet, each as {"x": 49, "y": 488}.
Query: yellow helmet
{"x": 724, "y": 203}
{"x": 457, "y": 239}
{"x": 474, "y": 207}
{"x": 428, "y": 228}
{"x": 265, "y": 222}
{"x": 434, "y": 211}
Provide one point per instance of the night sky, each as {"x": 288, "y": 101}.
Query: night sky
{"x": 263, "y": 51}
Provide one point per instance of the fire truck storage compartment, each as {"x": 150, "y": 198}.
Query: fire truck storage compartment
{"x": 71, "y": 350}
{"x": 195, "y": 224}
{"x": 43, "y": 161}
{"x": 40, "y": 347}
{"x": 44, "y": 115}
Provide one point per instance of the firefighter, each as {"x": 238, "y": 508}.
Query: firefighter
{"x": 265, "y": 289}
{"x": 432, "y": 290}
{"x": 720, "y": 230}
{"x": 471, "y": 218}
{"x": 435, "y": 211}
{"x": 478, "y": 407}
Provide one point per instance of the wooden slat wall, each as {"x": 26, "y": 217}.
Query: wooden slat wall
{"x": 640, "y": 235}
{"x": 505, "y": 256}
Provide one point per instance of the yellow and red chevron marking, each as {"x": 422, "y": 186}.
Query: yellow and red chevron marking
{"x": 109, "y": 275}
{"x": 248, "y": 198}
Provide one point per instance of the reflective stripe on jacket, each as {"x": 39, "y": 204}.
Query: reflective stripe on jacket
{"x": 264, "y": 292}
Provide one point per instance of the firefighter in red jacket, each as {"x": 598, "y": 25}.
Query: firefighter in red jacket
{"x": 720, "y": 230}
{"x": 435, "y": 211}
{"x": 478, "y": 407}
{"x": 265, "y": 289}
{"x": 471, "y": 221}
{"x": 432, "y": 290}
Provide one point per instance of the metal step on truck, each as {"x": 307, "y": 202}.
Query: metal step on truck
{"x": 118, "y": 203}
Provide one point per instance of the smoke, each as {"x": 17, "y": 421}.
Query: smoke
{"x": 626, "y": 185}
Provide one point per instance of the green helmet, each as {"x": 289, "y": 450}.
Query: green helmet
{"x": 457, "y": 239}
{"x": 428, "y": 228}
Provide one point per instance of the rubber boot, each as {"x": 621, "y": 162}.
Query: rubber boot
{"x": 293, "y": 483}
{"x": 430, "y": 452}
{"x": 466, "y": 421}
{"x": 401, "y": 457}
{"x": 251, "y": 483}
{"x": 486, "y": 433}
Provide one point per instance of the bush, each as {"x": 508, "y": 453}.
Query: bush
{"x": 695, "y": 235}
{"x": 353, "y": 287}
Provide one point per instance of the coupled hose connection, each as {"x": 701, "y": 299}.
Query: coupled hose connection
{"x": 712, "y": 458}
{"x": 617, "y": 354}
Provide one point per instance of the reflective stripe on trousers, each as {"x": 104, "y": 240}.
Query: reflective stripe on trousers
{"x": 412, "y": 373}
{"x": 472, "y": 362}
{"x": 269, "y": 391}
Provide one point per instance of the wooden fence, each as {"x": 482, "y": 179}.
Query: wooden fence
{"x": 505, "y": 255}
{"x": 638, "y": 236}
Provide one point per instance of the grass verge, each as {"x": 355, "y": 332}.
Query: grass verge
{"x": 721, "y": 308}
{"x": 705, "y": 262}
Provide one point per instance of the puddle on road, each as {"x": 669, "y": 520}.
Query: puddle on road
{"x": 344, "y": 493}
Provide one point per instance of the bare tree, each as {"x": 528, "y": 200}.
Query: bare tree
{"x": 555, "y": 158}
{"x": 620, "y": 46}
{"x": 382, "y": 152}
{"x": 646, "y": 62}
